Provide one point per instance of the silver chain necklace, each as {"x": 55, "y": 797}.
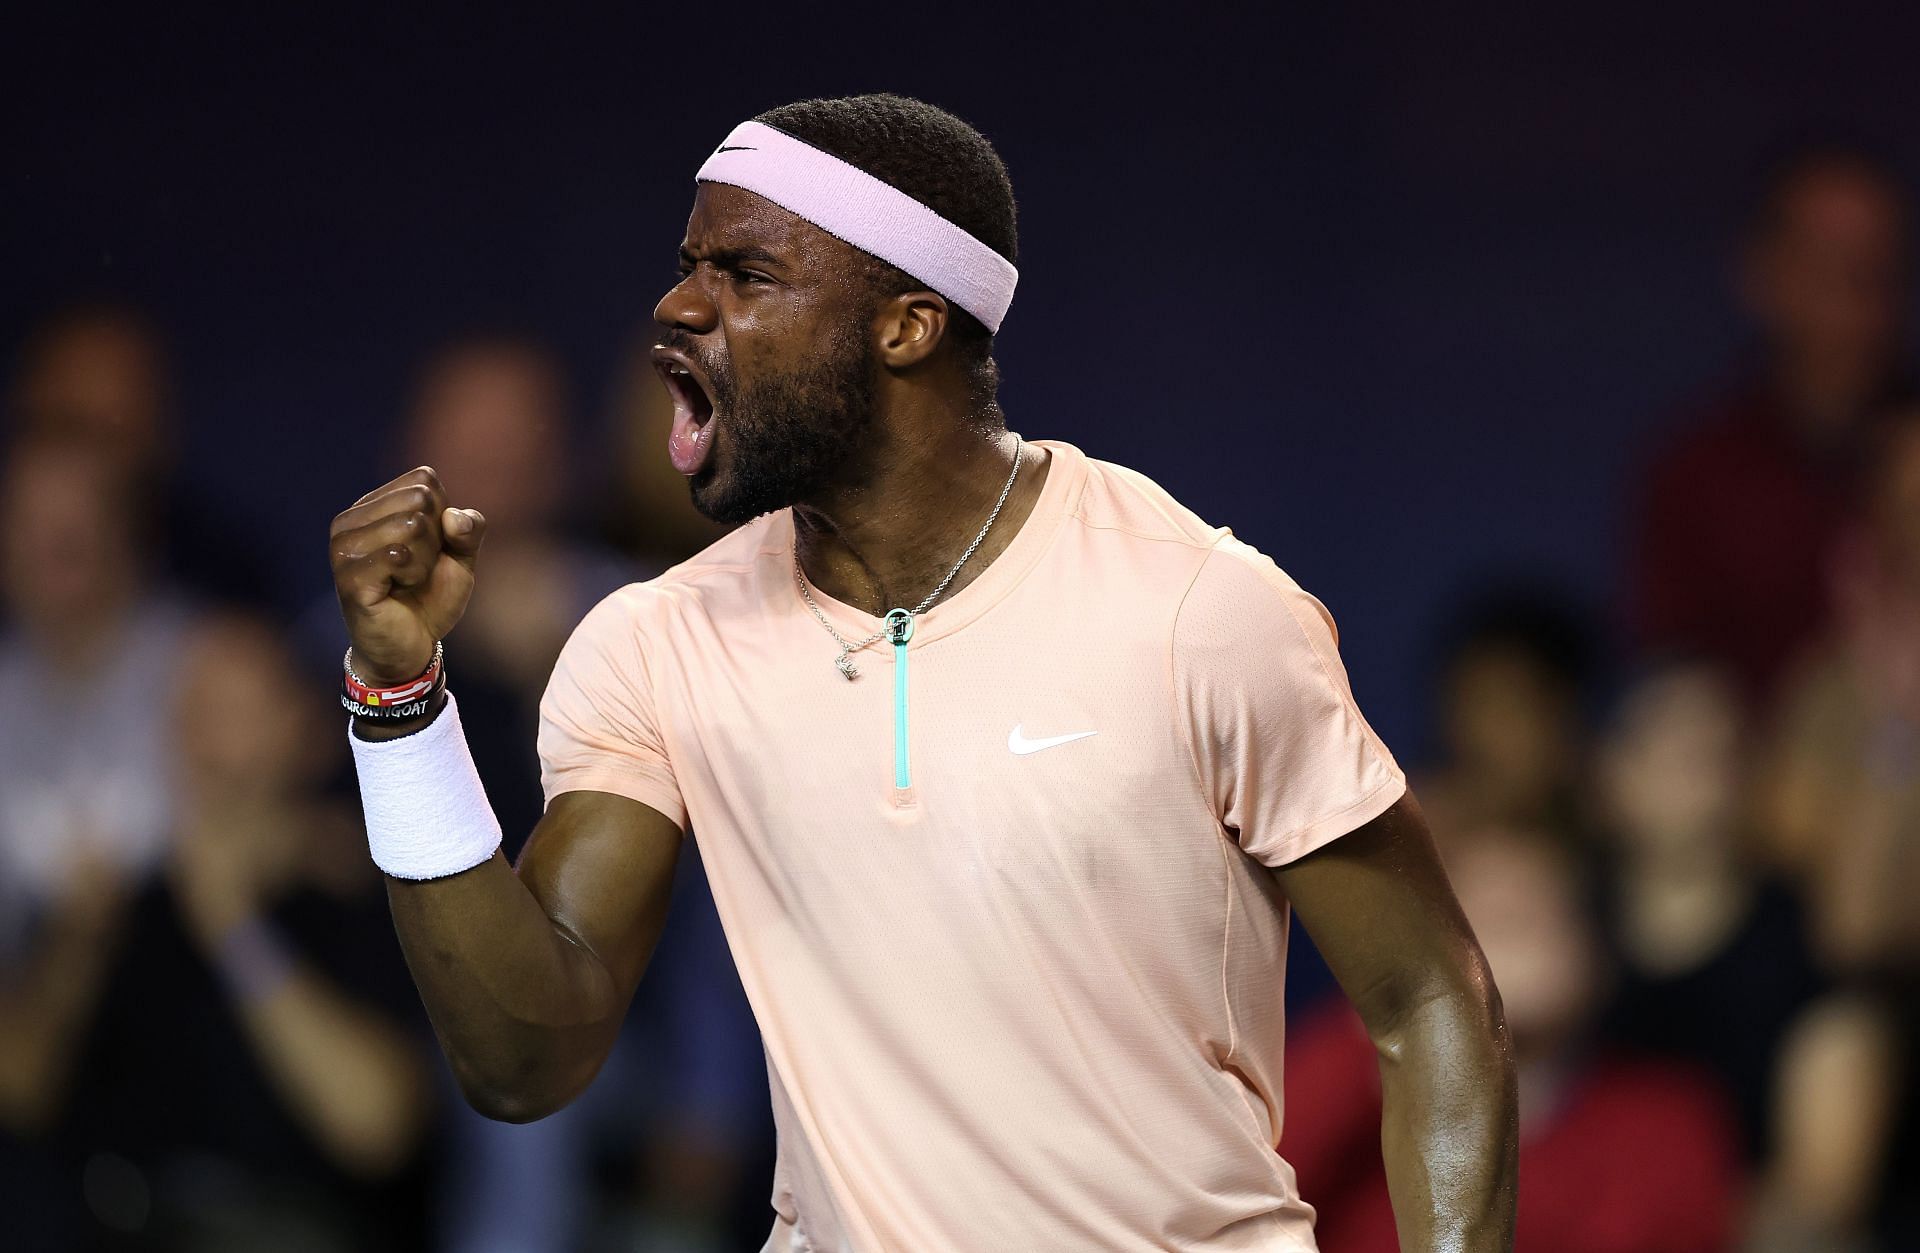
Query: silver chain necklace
{"x": 900, "y": 620}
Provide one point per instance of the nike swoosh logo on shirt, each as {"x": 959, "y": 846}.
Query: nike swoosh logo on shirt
{"x": 1020, "y": 745}
{"x": 734, "y": 148}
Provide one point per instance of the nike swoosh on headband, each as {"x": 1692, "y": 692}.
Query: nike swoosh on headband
{"x": 874, "y": 216}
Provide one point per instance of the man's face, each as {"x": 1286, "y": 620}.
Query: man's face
{"x": 492, "y": 420}
{"x": 1827, "y": 281}
{"x": 66, "y": 539}
{"x": 1671, "y": 770}
{"x": 101, "y": 380}
{"x": 766, "y": 349}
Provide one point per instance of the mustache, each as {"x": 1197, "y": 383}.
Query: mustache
{"x": 718, "y": 377}
{"x": 681, "y": 341}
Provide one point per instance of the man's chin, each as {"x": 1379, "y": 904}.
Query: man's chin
{"x": 707, "y": 498}
{"x": 718, "y": 498}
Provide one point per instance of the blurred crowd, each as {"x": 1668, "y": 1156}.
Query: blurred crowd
{"x": 1686, "y": 832}
{"x": 208, "y": 1036}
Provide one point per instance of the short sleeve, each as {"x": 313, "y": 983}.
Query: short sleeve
{"x": 598, "y": 728}
{"x": 1285, "y": 757}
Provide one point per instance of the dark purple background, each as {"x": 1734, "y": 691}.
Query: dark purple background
{"x": 1400, "y": 296}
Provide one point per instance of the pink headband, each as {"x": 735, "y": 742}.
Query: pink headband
{"x": 853, "y": 205}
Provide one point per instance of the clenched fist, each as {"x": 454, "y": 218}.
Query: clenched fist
{"x": 403, "y": 567}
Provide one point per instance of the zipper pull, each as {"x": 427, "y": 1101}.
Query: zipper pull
{"x": 899, "y": 627}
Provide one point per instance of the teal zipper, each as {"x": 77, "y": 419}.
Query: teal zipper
{"x": 899, "y": 631}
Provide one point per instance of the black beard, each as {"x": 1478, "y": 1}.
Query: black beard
{"x": 788, "y": 435}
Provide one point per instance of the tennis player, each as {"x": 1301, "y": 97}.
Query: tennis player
{"x": 1007, "y": 769}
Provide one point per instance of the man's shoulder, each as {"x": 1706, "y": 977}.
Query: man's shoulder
{"x": 1221, "y": 574}
{"x": 734, "y": 556}
{"x": 732, "y": 567}
{"x": 1125, "y": 502}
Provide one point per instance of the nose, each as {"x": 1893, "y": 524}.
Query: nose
{"x": 686, "y": 307}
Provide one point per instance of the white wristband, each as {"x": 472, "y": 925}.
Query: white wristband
{"x": 427, "y": 814}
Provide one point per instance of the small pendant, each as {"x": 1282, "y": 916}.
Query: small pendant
{"x": 846, "y": 666}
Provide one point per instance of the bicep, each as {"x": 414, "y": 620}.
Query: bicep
{"x": 602, "y": 867}
{"x": 1380, "y": 910}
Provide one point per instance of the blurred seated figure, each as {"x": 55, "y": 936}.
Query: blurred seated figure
{"x": 253, "y": 1074}
{"x": 98, "y": 375}
{"x": 1736, "y": 517}
{"x": 88, "y": 649}
{"x": 492, "y": 415}
{"x": 1511, "y": 717}
{"x": 1843, "y": 809}
{"x": 1716, "y": 967}
{"x": 1617, "y": 1154}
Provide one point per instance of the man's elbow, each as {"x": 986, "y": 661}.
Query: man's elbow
{"x": 516, "y": 1098}
{"x": 1479, "y": 998}
{"x": 502, "y": 1105}
{"x": 1458, "y": 1014}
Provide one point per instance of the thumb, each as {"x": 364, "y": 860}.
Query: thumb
{"x": 461, "y": 531}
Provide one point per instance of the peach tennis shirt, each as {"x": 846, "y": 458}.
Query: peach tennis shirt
{"x": 1020, "y": 986}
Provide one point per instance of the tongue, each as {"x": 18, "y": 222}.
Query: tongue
{"x": 690, "y": 443}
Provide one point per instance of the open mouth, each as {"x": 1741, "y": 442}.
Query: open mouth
{"x": 690, "y": 442}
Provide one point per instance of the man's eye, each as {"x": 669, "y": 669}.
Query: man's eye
{"x": 750, "y": 276}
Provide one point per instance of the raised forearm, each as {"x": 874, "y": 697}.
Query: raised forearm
{"x": 526, "y": 975}
{"x": 524, "y": 1012}
{"x": 353, "y": 1077}
{"x": 41, "y": 1012}
{"x": 1449, "y": 1127}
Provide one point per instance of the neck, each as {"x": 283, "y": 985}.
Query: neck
{"x": 1822, "y": 399}
{"x": 888, "y": 540}
{"x": 82, "y": 642}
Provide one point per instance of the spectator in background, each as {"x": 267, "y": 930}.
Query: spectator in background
{"x": 1617, "y": 1155}
{"x": 1736, "y": 517}
{"x": 97, "y": 375}
{"x": 1512, "y": 719}
{"x": 91, "y": 645}
{"x": 1843, "y": 811}
{"x": 491, "y": 414}
{"x": 254, "y": 1076}
{"x": 1715, "y": 965}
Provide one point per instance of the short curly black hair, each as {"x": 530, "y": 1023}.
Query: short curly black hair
{"x": 937, "y": 159}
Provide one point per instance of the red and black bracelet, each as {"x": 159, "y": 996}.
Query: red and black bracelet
{"x": 411, "y": 699}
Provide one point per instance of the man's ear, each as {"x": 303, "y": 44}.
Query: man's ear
{"x": 910, "y": 326}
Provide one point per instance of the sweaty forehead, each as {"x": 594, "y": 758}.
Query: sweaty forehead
{"x": 728, "y": 219}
